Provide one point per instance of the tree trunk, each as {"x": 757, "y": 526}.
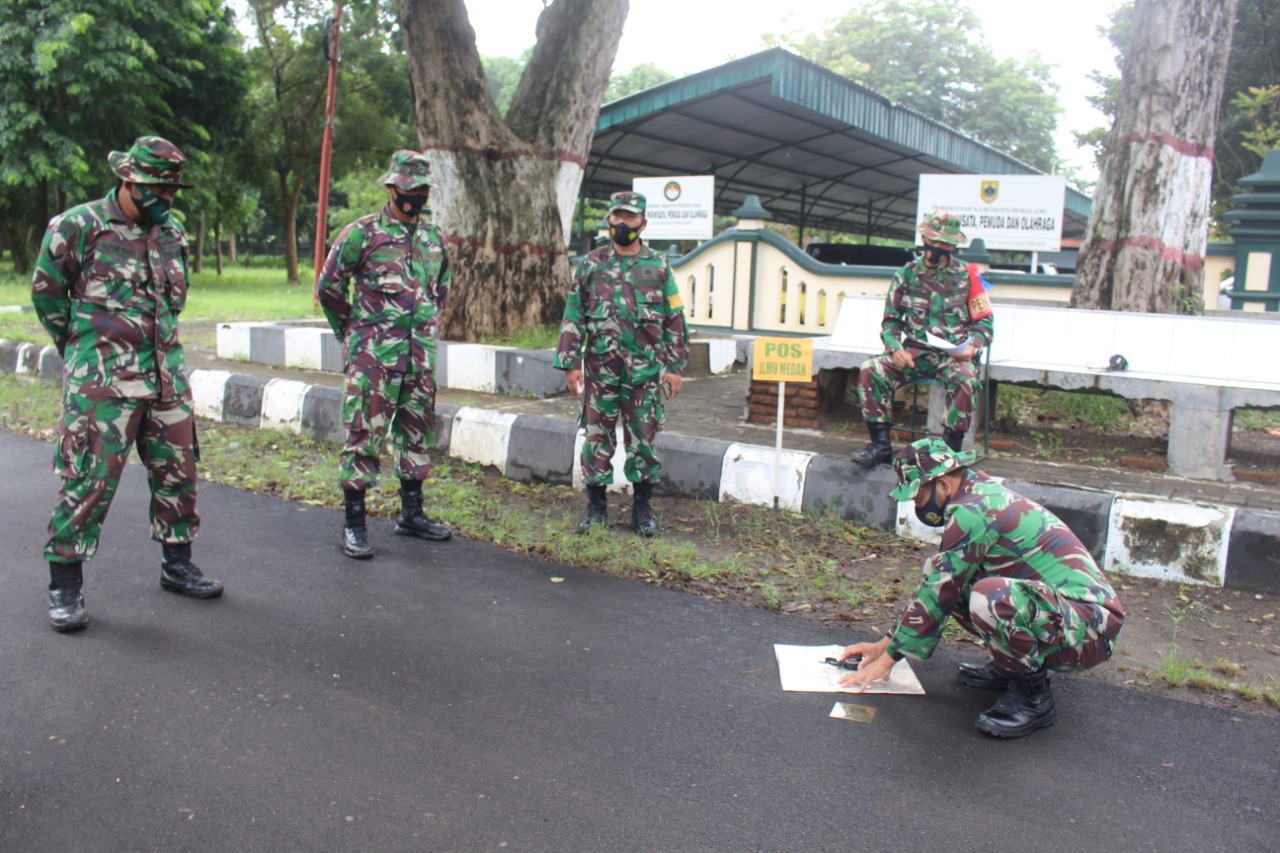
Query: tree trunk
{"x": 231, "y": 247}
{"x": 217, "y": 243}
{"x": 290, "y": 200}
{"x": 504, "y": 191}
{"x": 197, "y": 264}
{"x": 1145, "y": 244}
{"x": 20, "y": 251}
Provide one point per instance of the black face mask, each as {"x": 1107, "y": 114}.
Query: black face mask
{"x": 931, "y": 513}
{"x": 409, "y": 205}
{"x": 623, "y": 234}
{"x": 153, "y": 209}
{"x": 937, "y": 256}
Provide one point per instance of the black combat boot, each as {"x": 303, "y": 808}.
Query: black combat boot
{"x": 1027, "y": 705}
{"x": 954, "y": 438}
{"x": 355, "y": 535}
{"x": 597, "y": 509}
{"x": 641, "y": 513}
{"x": 411, "y": 521}
{"x": 66, "y": 604}
{"x": 879, "y": 451}
{"x": 984, "y": 676}
{"x": 178, "y": 574}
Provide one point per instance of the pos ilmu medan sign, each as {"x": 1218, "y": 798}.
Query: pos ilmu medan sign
{"x": 782, "y": 359}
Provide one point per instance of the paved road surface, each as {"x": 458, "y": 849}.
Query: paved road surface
{"x": 451, "y": 697}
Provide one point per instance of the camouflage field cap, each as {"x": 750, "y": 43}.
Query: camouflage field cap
{"x": 923, "y": 461}
{"x": 410, "y": 170}
{"x": 942, "y": 226}
{"x": 631, "y": 202}
{"x": 151, "y": 160}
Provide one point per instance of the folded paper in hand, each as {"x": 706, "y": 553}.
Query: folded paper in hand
{"x": 943, "y": 345}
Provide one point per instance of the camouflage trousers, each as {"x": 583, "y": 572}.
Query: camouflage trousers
{"x": 1027, "y": 625}
{"x": 378, "y": 401}
{"x": 879, "y": 378}
{"x": 605, "y": 397}
{"x": 93, "y": 445}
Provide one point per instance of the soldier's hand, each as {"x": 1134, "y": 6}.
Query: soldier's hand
{"x": 875, "y": 664}
{"x": 673, "y": 383}
{"x": 573, "y": 378}
{"x": 903, "y": 360}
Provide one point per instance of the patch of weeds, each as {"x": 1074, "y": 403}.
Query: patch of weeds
{"x": 1048, "y": 444}
{"x": 1255, "y": 419}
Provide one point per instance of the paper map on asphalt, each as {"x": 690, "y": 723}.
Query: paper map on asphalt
{"x": 801, "y": 668}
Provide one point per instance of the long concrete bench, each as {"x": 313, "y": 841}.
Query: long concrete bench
{"x": 460, "y": 366}
{"x": 1205, "y": 367}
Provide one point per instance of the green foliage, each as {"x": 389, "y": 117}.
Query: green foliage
{"x": 643, "y": 76}
{"x": 929, "y": 55}
{"x": 502, "y": 75}
{"x": 1260, "y": 105}
{"x": 245, "y": 294}
{"x": 528, "y": 337}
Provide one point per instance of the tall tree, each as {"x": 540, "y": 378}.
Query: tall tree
{"x": 503, "y": 190}
{"x": 1144, "y": 246}
{"x": 929, "y": 55}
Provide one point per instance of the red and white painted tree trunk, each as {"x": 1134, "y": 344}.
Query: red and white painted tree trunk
{"x": 1145, "y": 244}
{"x": 504, "y": 190}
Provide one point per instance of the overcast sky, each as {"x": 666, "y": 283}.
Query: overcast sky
{"x": 683, "y": 36}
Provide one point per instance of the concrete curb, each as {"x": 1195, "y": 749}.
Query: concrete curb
{"x": 1185, "y": 542}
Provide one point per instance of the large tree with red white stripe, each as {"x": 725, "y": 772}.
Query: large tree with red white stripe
{"x": 1147, "y": 235}
{"x": 504, "y": 187}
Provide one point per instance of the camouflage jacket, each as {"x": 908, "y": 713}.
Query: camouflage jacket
{"x": 109, "y": 291}
{"x": 624, "y": 308}
{"x": 937, "y": 301}
{"x": 401, "y": 276}
{"x": 993, "y": 532}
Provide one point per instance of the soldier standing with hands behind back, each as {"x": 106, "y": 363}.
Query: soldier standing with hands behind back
{"x": 109, "y": 284}
{"x": 400, "y": 269}
{"x": 623, "y": 341}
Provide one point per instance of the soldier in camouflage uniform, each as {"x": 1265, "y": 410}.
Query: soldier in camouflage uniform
{"x": 399, "y": 268}
{"x": 623, "y": 341}
{"x": 934, "y": 294}
{"x": 109, "y": 284}
{"x": 1011, "y": 573}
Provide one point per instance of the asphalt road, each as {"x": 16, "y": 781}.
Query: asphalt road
{"x": 452, "y": 697}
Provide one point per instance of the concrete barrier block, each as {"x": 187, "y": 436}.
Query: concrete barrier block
{"x": 442, "y": 364}
{"x": 482, "y": 436}
{"x": 692, "y": 465}
{"x": 322, "y": 414}
{"x": 49, "y": 366}
{"x": 282, "y": 405}
{"x": 266, "y": 345}
{"x": 854, "y": 493}
{"x": 333, "y": 353}
{"x": 303, "y": 347}
{"x": 1170, "y": 541}
{"x": 527, "y": 372}
{"x": 243, "y": 402}
{"x": 233, "y": 340}
{"x": 721, "y": 355}
{"x": 908, "y": 526}
{"x": 1253, "y": 552}
{"x": 618, "y": 463}
{"x": 28, "y": 363}
{"x": 540, "y": 450}
{"x": 8, "y": 356}
{"x": 208, "y": 392}
{"x": 1086, "y": 513}
{"x": 445, "y": 413}
{"x": 748, "y": 476}
{"x": 472, "y": 367}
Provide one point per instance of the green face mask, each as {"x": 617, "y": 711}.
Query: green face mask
{"x": 154, "y": 209}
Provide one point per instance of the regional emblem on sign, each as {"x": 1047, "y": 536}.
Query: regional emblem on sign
{"x": 671, "y": 190}
{"x": 990, "y": 191}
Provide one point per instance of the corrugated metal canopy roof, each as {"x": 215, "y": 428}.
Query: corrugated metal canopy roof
{"x": 814, "y": 146}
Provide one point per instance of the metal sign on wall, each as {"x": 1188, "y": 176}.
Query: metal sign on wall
{"x": 1017, "y": 212}
{"x": 679, "y": 207}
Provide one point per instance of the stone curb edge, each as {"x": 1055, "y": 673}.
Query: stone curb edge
{"x": 1237, "y": 548}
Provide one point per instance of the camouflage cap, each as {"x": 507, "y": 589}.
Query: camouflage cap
{"x": 942, "y": 226}
{"x": 632, "y": 202}
{"x": 923, "y": 461}
{"x": 151, "y": 160}
{"x": 410, "y": 170}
